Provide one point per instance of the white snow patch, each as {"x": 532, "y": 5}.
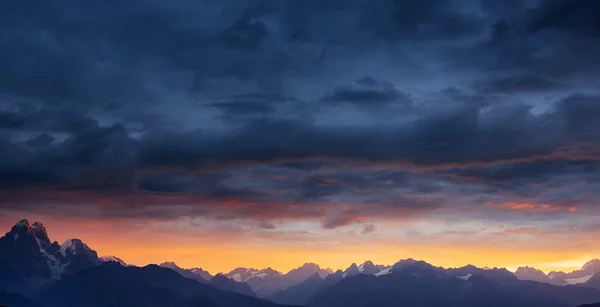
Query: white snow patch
{"x": 237, "y": 277}
{"x": 466, "y": 277}
{"x": 112, "y": 259}
{"x": 260, "y": 275}
{"x": 574, "y": 281}
{"x": 384, "y": 272}
{"x": 16, "y": 236}
{"x": 361, "y": 267}
{"x": 55, "y": 267}
{"x": 22, "y": 223}
{"x": 68, "y": 245}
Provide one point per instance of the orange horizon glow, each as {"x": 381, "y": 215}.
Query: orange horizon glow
{"x": 138, "y": 246}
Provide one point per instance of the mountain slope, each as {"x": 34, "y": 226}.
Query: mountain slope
{"x": 300, "y": 294}
{"x": 183, "y": 272}
{"x": 28, "y": 259}
{"x": 267, "y": 282}
{"x": 222, "y": 282}
{"x": 111, "y": 284}
{"x": 528, "y": 273}
{"x": 580, "y": 276}
{"x": 219, "y": 281}
{"x": 17, "y": 300}
{"x": 420, "y": 285}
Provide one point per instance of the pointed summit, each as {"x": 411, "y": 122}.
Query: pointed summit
{"x": 529, "y": 273}
{"x": 591, "y": 267}
{"x": 39, "y": 227}
{"x": 368, "y": 268}
{"x": 351, "y": 271}
{"x": 21, "y": 227}
{"x": 169, "y": 265}
{"x": 39, "y": 231}
{"x": 21, "y": 223}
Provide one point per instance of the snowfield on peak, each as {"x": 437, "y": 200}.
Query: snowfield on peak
{"x": 112, "y": 259}
{"x": 384, "y": 272}
{"x": 67, "y": 245}
{"x": 466, "y": 277}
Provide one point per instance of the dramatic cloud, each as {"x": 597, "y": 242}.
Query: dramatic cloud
{"x": 333, "y": 113}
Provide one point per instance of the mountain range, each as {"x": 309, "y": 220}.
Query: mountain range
{"x": 37, "y": 272}
{"x": 268, "y": 281}
{"x": 581, "y": 276}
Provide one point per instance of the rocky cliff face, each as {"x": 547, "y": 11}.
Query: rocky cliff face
{"x": 28, "y": 258}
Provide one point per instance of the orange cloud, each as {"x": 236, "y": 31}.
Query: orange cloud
{"x": 530, "y": 207}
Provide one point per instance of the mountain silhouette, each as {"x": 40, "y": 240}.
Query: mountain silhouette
{"x": 111, "y": 284}
{"x": 28, "y": 259}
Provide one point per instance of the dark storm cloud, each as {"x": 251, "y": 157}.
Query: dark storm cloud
{"x": 368, "y": 93}
{"x": 577, "y": 17}
{"x": 520, "y": 84}
{"x": 182, "y": 99}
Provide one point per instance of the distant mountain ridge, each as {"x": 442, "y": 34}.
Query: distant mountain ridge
{"x": 267, "y": 282}
{"x": 72, "y": 275}
{"x": 111, "y": 284}
{"x": 29, "y": 259}
{"x": 220, "y": 281}
{"x": 581, "y": 276}
{"x": 529, "y": 273}
{"x": 419, "y": 284}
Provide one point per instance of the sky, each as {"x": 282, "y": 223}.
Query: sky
{"x": 269, "y": 133}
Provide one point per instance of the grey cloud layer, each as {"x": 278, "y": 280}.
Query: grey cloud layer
{"x": 302, "y": 100}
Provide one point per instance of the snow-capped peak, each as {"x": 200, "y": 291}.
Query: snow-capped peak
{"x": 244, "y": 274}
{"x": 39, "y": 227}
{"x": 73, "y": 246}
{"x": 361, "y": 268}
{"x": 112, "y": 259}
{"x": 21, "y": 227}
{"x": 23, "y": 222}
{"x": 67, "y": 245}
{"x": 592, "y": 266}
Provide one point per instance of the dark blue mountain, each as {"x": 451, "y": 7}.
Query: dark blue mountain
{"x": 111, "y": 284}
{"x": 28, "y": 259}
{"x": 418, "y": 284}
{"x": 224, "y": 283}
{"x": 302, "y": 293}
{"x": 17, "y": 300}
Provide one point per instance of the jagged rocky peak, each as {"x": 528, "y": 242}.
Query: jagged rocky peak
{"x": 352, "y": 270}
{"x": 21, "y": 226}
{"x": 74, "y": 247}
{"x": 39, "y": 227}
{"x": 118, "y": 260}
{"x": 310, "y": 265}
{"x": 270, "y": 270}
{"x": 36, "y": 230}
{"x": 170, "y": 265}
{"x": 40, "y": 232}
{"x": 307, "y": 268}
{"x": 221, "y": 277}
{"x": 369, "y": 268}
{"x": 592, "y": 266}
